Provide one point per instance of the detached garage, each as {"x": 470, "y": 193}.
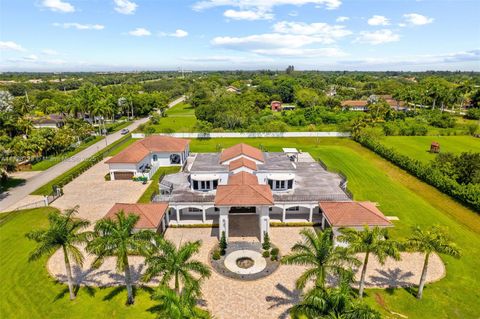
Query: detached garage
{"x": 144, "y": 157}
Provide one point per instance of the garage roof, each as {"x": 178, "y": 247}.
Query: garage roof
{"x": 151, "y": 214}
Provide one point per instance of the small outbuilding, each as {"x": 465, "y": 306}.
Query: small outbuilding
{"x": 435, "y": 147}
{"x": 276, "y": 106}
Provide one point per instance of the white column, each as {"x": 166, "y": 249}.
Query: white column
{"x": 310, "y": 216}
{"x": 163, "y": 225}
{"x": 264, "y": 221}
{"x": 204, "y": 215}
{"x": 167, "y": 215}
{"x": 112, "y": 176}
{"x": 223, "y": 221}
{"x": 284, "y": 213}
{"x": 177, "y": 210}
{"x": 323, "y": 221}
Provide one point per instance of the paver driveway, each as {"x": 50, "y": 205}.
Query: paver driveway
{"x": 95, "y": 196}
{"x": 269, "y": 297}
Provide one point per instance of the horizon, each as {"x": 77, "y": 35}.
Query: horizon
{"x": 231, "y": 35}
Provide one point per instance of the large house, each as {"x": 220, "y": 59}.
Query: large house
{"x": 144, "y": 157}
{"x": 243, "y": 184}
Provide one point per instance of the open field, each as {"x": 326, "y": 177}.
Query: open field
{"x": 180, "y": 118}
{"x": 27, "y": 286}
{"x": 418, "y": 147}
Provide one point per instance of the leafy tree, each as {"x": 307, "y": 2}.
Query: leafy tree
{"x": 307, "y": 97}
{"x": 374, "y": 242}
{"x": 266, "y": 241}
{"x": 428, "y": 241}
{"x": 175, "y": 305}
{"x": 318, "y": 252}
{"x": 117, "y": 238}
{"x": 64, "y": 232}
{"x": 166, "y": 260}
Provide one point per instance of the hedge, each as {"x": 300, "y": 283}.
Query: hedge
{"x": 467, "y": 194}
{"x": 78, "y": 169}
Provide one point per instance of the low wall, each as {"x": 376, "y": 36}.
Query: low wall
{"x": 259, "y": 134}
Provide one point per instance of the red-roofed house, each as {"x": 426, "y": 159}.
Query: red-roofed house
{"x": 145, "y": 156}
{"x": 153, "y": 216}
{"x": 276, "y": 106}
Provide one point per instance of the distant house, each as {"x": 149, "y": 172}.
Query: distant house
{"x": 355, "y": 105}
{"x": 144, "y": 157}
{"x": 233, "y": 89}
{"x": 49, "y": 121}
{"x": 288, "y": 107}
{"x": 276, "y": 106}
{"x": 394, "y": 104}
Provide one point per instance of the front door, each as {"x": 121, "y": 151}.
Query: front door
{"x": 243, "y": 210}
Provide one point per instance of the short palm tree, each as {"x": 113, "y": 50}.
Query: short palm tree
{"x": 373, "y": 241}
{"x": 117, "y": 238}
{"x": 166, "y": 260}
{"x": 318, "y": 252}
{"x": 64, "y": 232}
{"x": 427, "y": 241}
{"x": 174, "y": 305}
{"x": 334, "y": 303}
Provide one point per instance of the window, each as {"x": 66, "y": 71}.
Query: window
{"x": 195, "y": 185}
{"x": 290, "y": 184}
{"x": 155, "y": 157}
{"x": 193, "y": 210}
{"x": 205, "y": 185}
{"x": 293, "y": 209}
{"x": 215, "y": 184}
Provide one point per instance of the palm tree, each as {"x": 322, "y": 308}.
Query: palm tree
{"x": 63, "y": 233}
{"x": 317, "y": 251}
{"x": 373, "y": 241}
{"x": 323, "y": 302}
{"x": 174, "y": 305}
{"x": 171, "y": 263}
{"x": 117, "y": 238}
{"x": 427, "y": 241}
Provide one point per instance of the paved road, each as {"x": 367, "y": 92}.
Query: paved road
{"x": 16, "y": 194}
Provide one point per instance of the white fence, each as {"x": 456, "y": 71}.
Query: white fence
{"x": 258, "y": 134}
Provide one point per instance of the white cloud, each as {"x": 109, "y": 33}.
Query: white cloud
{"x": 265, "y": 5}
{"x": 125, "y": 6}
{"x": 378, "y": 20}
{"x": 30, "y": 58}
{"x": 417, "y": 19}
{"x": 58, "y": 5}
{"x": 49, "y": 52}
{"x": 10, "y": 45}
{"x": 140, "y": 32}
{"x": 247, "y": 15}
{"x": 342, "y": 19}
{"x": 303, "y": 53}
{"x": 293, "y": 13}
{"x": 319, "y": 29}
{"x": 377, "y": 37}
{"x": 79, "y": 26}
{"x": 179, "y": 33}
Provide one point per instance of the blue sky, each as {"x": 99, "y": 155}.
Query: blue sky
{"x": 97, "y": 35}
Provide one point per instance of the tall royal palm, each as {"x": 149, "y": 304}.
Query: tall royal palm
{"x": 174, "y": 305}
{"x": 318, "y": 252}
{"x": 117, "y": 238}
{"x": 373, "y": 241}
{"x": 427, "y": 241}
{"x": 166, "y": 260}
{"x": 335, "y": 302}
{"x": 64, "y": 232}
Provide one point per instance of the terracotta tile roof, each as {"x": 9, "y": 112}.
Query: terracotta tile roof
{"x": 350, "y": 214}
{"x": 242, "y": 162}
{"x": 354, "y": 103}
{"x": 154, "y": 143}
{"x": 241, "y": 149}
{"x": 243, "y": 190}
{"x": 150, "y": 214}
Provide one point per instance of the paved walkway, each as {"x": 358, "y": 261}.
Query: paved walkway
{"x": 14, "y": 195}
{"x": 269, "y": 297}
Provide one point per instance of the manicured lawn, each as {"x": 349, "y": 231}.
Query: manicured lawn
{"x": 29, "y": 292}
{"x": 153, "y": 187}
{"x": 418, "y": 146}
{"x": 53, "y": 160}
{"x": 180, "y": 118}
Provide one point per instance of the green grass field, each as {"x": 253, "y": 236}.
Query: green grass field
{"x": 418, "y": 147}
{"x": 28, "y": 291}
{"x": 180, "y": 118}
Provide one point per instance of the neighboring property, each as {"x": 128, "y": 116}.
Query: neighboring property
{"x": 233, "y": 89}
{"x": 394, "y": 104}
{"x": 276, "y": 106}
{"x": 144, "y": 157}
{"x": 355, "y": 105}
{"x": 49, "y": 121}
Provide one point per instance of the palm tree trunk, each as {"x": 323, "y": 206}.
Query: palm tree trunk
{"x": 69, "y": 274}
{"x": 177, "y": 284}
{"x": 128, "y": 283}
{"x": 424, "y": 277}
{"x": 362, "y": 278}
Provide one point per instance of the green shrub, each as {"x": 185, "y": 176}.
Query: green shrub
{"x": 274, "y": 253}
{"x": 223, "y": 243}
{"x": 216, "y": 254}
{"x": 266, "y": 241}
{"x": 473, "y": 114}
{"x": 107, "y": 177}
{"x": 266, "y": 254}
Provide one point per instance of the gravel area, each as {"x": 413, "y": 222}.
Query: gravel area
{"x": 268, "y": 297}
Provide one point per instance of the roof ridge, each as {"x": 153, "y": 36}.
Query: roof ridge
{"x": 145, "y": 215}
{"x": 252, "y": 186}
